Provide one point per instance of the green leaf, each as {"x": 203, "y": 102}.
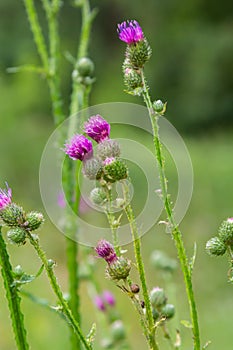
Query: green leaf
{"x": 91, "y": 335}
{"x": 27, "y": 68}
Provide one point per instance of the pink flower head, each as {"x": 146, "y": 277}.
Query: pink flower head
{"x": 97, "y": 128}
{"x": 78, "y": 147}
{"x": 99, "y": 303}
{"x": 109, "y": 298}
{"x": 130, "y": 32}
{"x": 5, "y": 197}
{"x": 106, "y": 251}
{"x": 230, "y": 220}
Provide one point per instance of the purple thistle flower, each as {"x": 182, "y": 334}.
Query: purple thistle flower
{"x": 109, "y": 298}
{"x": 97, "y": 128}
{"x": 130, "y": 32}
{"x": 5, "y": 197}
{"x": 78, "y": 147}
{"x": 230, "y": 220}
{"x": 99, "y": 303}
{"x": 106, "y": 251}
{"x": 109, "y": 160}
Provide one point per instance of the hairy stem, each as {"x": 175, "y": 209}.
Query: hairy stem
{"x": 176, "y": 234}
{"x": 13, "y": 298}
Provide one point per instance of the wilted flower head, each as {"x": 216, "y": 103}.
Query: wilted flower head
{"x": 106, "y": 251}
{"x": 130, "y": 32}
{"x": 78, "y": 147}
{"x": 97, "y": 128}
{"x": 5, "y": 197}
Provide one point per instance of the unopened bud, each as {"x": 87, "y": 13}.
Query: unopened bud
{"x": 91, "y": 168}
{"x": 134, "y": 288}
{"x": 159, "y": 106}
{"x": 13, "y": 215}
{"x": 115, "y": 171}
{"x": 98, "y": 196}
{"x": 119, "y": 269}
{"x": 18, "y": 271}
{"x": 33, "y": 220}
{"x": 17, "y": 235}
{"x": 215, "y": 246}
{"x": 157, "y": 297}
{"x": 226, "y": 231}
{"x": 118, "y": 330}
{"x": 85, "y": 67}
{"x": 108, "y": 149}
{"x": 168, "y": 311}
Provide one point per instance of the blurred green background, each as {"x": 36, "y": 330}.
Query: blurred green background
{"x": 192, "y": 69}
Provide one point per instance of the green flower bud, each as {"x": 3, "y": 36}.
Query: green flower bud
{"x": 85, "y": 67}
{"x": 34, "y": 220}
{"x": 159, "y": 106}
{"x": 117, "y": 331}
{"x": 18, "y": 271}
{"x": 92, "y": 168}
{"x": 139, "y": 53}
{"x": 226, "y": 231}
{"x": 132, "y": 77}
{"x": 115, "y": 171}
{"x": 168, "y": 311}
{"x": 17, "y": 235}
{"x": 13, "y": 215}
{"x": 108, "y": 149}
{"x": 155, "y": 314}
{"x": 215, "y": 246}
{"x": 158, "y": 297}
{"x": 119, "y": 269}
{"x": 98, "y": 196}
{"x": 51, "y": 263}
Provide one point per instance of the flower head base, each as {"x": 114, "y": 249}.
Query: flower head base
{"x": 106, "y": 251}
{"x": 130, "y": 32}
{"x": 5, "y": 198}
{"x": 78, "y": 147}
{"x": 97, "y": 128}
{"x": 119, "y": 269}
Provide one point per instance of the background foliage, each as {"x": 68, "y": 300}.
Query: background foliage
{"x": 191, "y": 68}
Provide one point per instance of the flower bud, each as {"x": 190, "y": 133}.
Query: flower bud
{"x": 226, "y": 231}
{"x": 159, "y": 106}
{"x": 215, "y": 247}
{"x": 168, "y": 311}
{"x": 161, "y": 261}
{"x": 132, "y": 77}
{"x": 119, "y": 269}
{"x": 85, "y": 67}
{"x": 155, "y": 314}
{"x": 33, "y": 220}
{"x": 18, "y": 271}
{"x": 115, "y": 171}
{"x": 17, "y": 235}
{"x": 92, "y": 168}
{"x": 157, "y": 297}
{"x": 99, "y": 303}
{"x": 108, "y": 297}
{"x": 98, "y": 196}
{"x": 139, "y": 53}
{"x": 108, "y": 149}
{"x": 117, "y": 330}
{"x": 13, "y": 215}
{"x": 134, "y": 288}
{"x": 51, "y": 263}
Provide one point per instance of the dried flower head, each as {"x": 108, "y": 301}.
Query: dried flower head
{"x": 106, "y": 251}
{"x": 5, "y": 197}
{"x": 78, "y": 147}
{"x": 97, "y": 128}
{"x": 130, "y": 32}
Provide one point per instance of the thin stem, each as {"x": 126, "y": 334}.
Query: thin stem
{"x": 56, "y": 288}
{"x": 13, "y": 298}
{"x": 176, "y": 234}
{"x": 111, "y": 220}
{"x": 142, "y": 275}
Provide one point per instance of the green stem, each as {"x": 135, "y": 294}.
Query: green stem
{"x": 142, "y": 275}
{"x": 111, "y": 220}
{"x": 56, "y": 288}
{"x": 176, "y": 234}
{"x": 13, "y": 298}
